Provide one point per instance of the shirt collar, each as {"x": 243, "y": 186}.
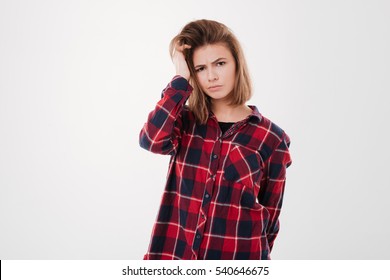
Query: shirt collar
{"x": 255, "y": 115}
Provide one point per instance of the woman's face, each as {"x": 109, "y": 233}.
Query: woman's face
{"x": 215, "y": 68}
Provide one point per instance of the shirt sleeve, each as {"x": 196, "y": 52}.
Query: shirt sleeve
{"x": 162, "y": 131}
{"x": 272, "y": 188}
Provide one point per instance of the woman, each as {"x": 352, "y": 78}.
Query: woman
{"x": 228, "y": 163}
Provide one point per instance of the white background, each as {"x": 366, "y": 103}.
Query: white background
{"x": 78, "y": 79}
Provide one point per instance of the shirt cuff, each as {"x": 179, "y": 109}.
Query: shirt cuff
{"x": 180, "y": 83}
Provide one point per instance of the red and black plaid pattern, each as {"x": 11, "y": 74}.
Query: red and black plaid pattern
{"x": 224, "y": 192}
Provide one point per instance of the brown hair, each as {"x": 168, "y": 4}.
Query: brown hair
{"x": 204, "y": 32}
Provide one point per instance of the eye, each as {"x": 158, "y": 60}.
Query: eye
{"x": 220, "y": 63}
{"x": 199, "y": 69}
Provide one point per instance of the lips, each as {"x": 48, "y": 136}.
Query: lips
{"x": 216, "y": 87}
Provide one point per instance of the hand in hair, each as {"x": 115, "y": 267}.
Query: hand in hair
{"x": 179, "y": 60}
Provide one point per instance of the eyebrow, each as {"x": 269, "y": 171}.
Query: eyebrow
{"x": 215, "y": 61}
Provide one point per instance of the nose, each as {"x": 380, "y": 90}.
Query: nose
{"x": 212, "y": 76}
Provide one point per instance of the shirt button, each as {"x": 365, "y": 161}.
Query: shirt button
{"x": 215, "y": 156}
{"x": 198, "y": 236}
{"x": 207, "y": 195}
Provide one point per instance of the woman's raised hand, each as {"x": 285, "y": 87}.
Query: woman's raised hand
{"x": 179, "y": 61}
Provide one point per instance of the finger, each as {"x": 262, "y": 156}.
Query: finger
{"x": 180, "y": 45}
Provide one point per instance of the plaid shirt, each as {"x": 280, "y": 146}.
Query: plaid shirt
{"x": 224, "y": 192}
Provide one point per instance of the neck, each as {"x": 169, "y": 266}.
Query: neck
{"x": 230, "y": 113}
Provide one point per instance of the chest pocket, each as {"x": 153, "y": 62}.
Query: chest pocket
{"x": 243, "y": 165}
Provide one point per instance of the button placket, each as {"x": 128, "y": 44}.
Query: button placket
{"x": 209, "y": 189}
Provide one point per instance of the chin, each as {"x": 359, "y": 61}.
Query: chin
{"x": 217, "y": 96}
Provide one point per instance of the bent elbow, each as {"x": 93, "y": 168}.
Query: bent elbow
{"x": 164, "y": 148}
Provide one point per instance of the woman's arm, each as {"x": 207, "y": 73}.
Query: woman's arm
{"x": 162, "y": 131}
{"x": 272, "y": 186}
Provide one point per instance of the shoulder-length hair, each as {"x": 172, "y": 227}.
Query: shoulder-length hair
{"x": 206, "y": 32}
